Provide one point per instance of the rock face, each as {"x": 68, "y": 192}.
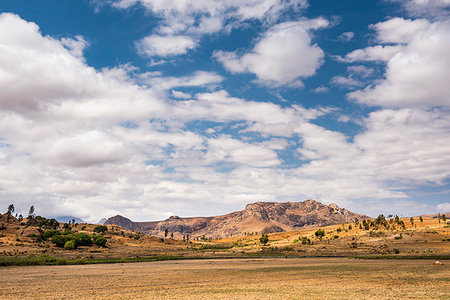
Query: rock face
{"x": 123, "y": 222}
{"x": 260, "y": 217}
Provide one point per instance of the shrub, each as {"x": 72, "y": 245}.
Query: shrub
{"x": 69, "y": 245}
{"x": 264, "y": 239}
{"x": 100, "y": 229}
{"x": 50, "y": 233}
{"x": 99, "y": 240}
{"x": 396, "y": 251}
{"x": 59, "y": 240}
{"x": 336, "y": 236}
{"x": 320, "y": 233}
{"x": 83, "y": 239}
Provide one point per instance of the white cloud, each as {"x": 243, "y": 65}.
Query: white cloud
{"x": 157, "y": 45}
{"x": 443, "y": 207}
{"x": 320, "y": 89}
{"x": 417, "y": 75}
{"x": 198, "y": 78}
{"x": 348, "y": 82}
{"x": 398, "y": 30}
{"x": 93, "y": 143}
{"x": 181, "y": 95}
{"x": 431, "y": 8}
{"x": 282, "y": 56}
{"x": 375, "y": 53}
{"x": 346, "y": 36}
{"x": 360, "y": 70}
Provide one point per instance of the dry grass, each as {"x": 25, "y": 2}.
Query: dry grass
{"x": 307, "y": 278}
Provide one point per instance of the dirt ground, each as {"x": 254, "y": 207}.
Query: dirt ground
{"x": 277, "y": 278}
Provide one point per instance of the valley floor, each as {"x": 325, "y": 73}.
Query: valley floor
{"x": 277, "y": 278}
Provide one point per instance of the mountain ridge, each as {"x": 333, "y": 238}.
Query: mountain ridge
{"x": 259, "y": 217}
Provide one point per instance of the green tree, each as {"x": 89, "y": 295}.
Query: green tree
{"x": 70, "y": 244}
{"x": 10, "y": 209}
{"x": 20, "y": 218}
{"x": 31, "y": 212}
{"x": 100, "y": 229}
{"x": 421, "y": 219}
{"x": 99, "y": 240}
{"x": 320, "y": 233}
{"x": 264, "y": 239}
{"x": 166, "y": 232}
{"x": 444, "y": 218}
{"x": 411, "y": 220}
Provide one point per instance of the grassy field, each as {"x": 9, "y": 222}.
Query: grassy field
{"x": 291, "y": 278}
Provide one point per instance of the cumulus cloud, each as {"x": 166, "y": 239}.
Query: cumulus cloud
{"x": 429, "y": 8}
{"x": 282, "y": 56}
{"x": 443, "y": 207}
{"x": 346, "y": 36}
{"x": 377, "y": 53}
{"x": 417, "y": 74}
{"x": 94, "y": 143}
{"x": 398, "y": 30}
{"x": 157, "y": 45}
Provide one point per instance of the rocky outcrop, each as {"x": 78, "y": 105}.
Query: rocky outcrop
{"x": 261, "y": 217}
{"x": 123, "y": 222}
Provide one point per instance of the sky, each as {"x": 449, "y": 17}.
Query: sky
{"x": 153, "y": 108}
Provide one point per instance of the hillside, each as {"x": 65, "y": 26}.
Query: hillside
{"x": 259, "y": 217}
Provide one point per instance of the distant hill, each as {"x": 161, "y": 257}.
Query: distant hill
{"x": 101, "y": 222}
{"x": 66, "y": 219}
{"x": 260, "y": 217}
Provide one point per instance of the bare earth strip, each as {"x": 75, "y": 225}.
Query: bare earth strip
{"x": 279, "y": 278}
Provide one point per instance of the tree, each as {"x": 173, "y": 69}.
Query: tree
{"x": 264, "y": 239}
{"x": 70, "y": 244}
{"x": 100, "y": 229}
{"x": 421, "y": 219}
{"x": 411, "y": 220}
{"x": 99, "y": 240}
{"x": 444, "y": 218}
{"x": 31, "y": 212}
{"x": 10, "y": 209}
{"x": 171, "y": 235}
{"x": 320, "y": 233}
{"x": 20, "y": 218}
{"x": 166, "y": 232}
{"x": 439, "y": 217}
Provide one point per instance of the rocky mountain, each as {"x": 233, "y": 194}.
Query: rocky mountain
{"x": 260, "y": 217}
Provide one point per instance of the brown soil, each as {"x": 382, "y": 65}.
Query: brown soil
{"x": 307, "y": 278}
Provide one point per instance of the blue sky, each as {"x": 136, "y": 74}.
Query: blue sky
{"x": 154, "y": 108}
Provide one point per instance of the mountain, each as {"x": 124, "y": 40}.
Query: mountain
{"x": 101, "y": 222}
{"x": 66, "y": 219}
{"x": 260, "y": 217}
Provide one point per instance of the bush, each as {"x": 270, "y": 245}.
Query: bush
{"x": 264, "y": 239}
{"x": 69, "y": 245}
{"x": 99, "y": 240}
{"x": 320, "y": 233}
{"x": 84, "y": 239}
{"x": 59, "y": 240}
{"x": 100, "y": 229}
{"x": 50, "y": 233}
